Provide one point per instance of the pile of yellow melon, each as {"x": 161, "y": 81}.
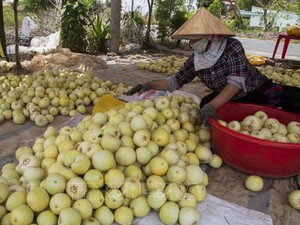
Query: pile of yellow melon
{"x": 44, "y": 94}
{"x": 281, "y": 75}
{"x": 169, "y": 64}
{"x": 113, "y": 166}
{"x": 5, "y": 67}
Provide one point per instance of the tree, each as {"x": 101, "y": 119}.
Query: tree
{"x": 216, "y": 8}
{"x": 179, "y": 18}
{"x": 246, "y": 4}
{"x": 47, "y": 13}
{"x": 164, "y": 11}
{"x": 2, "y": 32}
{"x": 74, "y": 20}
{"x": 37, "y": 6}
{"x": 237, "y": 14}
{"x": 166, "y": 8}
{"x": 147, "y": 37}
{"x": 17, "y": 53}
{"x": 42, "y": 4}
{"x": 203, "y": 3}
{"x": 115, "y": 26}
{"x": 270, "y": 8}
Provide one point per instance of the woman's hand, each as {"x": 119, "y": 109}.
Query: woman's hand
{"x": 205, "y": 113}
{"x": 154, "y": 84}
{"x": 138, "y": 88}
{"x": 209, "y": 110}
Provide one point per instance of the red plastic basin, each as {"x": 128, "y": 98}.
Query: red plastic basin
{"x": 252, "y": 155}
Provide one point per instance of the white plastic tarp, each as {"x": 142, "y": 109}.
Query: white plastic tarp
{"x": 151, "y": 94}
{"x": 215, "y": 211}
{"x": 38, "y": 44}
{"x": 28, "y": 26}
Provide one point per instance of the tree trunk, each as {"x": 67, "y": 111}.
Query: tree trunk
{"x": 264, "y": 5}
{"x": 132, "y": 13}
{"x": 265, "y": 19}
{"x": 147, "y": 38}
{"x": 115, "y": 18}
{"x": 2, "y": 32}
{"x": 237, "y": 13}
{"x": 18, "y": 64}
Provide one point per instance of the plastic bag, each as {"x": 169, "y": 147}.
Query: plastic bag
{"x": 108, "y": 102}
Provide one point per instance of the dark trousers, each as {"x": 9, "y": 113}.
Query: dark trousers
{"x": 272, "y": 94}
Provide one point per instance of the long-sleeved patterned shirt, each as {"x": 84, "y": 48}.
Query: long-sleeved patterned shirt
{"x": 232, "y": 67}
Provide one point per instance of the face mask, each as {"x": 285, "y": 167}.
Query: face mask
{"x": 200, "y": 45}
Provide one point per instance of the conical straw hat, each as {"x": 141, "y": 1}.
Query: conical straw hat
{"x": 201, "y": 23}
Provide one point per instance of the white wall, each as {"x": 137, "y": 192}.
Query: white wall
{"x": 282, "y": 19}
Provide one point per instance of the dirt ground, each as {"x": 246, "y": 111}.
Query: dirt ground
{"x": 225, "y": 183}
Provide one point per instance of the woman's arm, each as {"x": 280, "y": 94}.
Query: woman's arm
{"x": 159, "y": 85}
{"x": 224, "y": 96}
{"x": 185, "y": 75}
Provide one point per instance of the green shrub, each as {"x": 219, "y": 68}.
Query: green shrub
{"x": 98, "y": 36}
{"x": 138, "y": 18}
{"x": 216, "y": 8}
{"x": 179, "y": 18}
{"x": 163, "y": 31}
{"x": 73, "y": 32}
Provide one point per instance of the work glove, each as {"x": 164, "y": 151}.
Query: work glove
{"x": 138, "y": 88}
{"x": 205, "y": 113}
